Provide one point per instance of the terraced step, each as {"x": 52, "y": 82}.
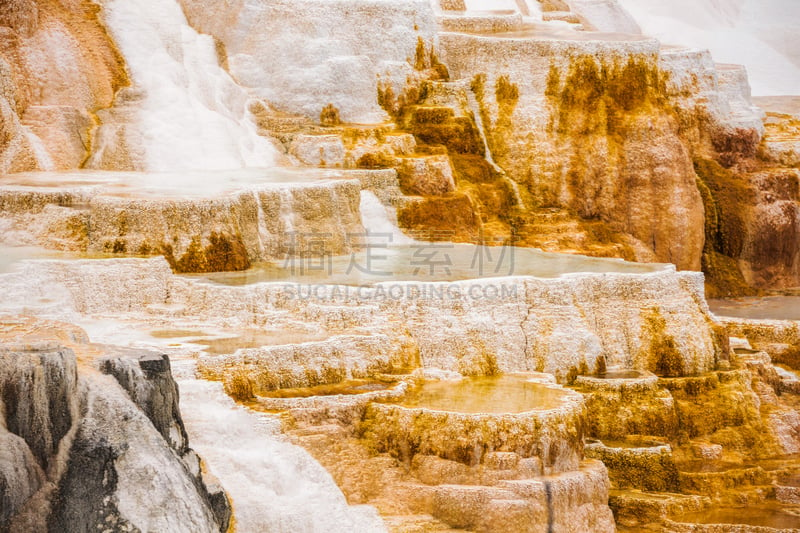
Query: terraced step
{"x": 571, "y": 227}
{"x": 715, "y": 479}
{"x": 550, "y": 216}
{"x": 439, "y": 125}
{"x": 564, "y": 16}
{"x": 367, "y": 147}
{"x": 635, "y": 508}
{"x": 430, "y": 175}
{"x": 481, "y": 22}
{"x": 647, "y": 466}
{"x": 782, "y": 139}
{"x": 452, "y": 5}
{"x": 767, "y": 517}
{"x": 417, "y": 524}
{"x": 272, "y": 122}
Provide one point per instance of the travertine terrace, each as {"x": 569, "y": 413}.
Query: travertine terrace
{"x": 395, "y": 265}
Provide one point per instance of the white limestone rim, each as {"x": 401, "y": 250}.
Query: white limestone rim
{"x": 259, "y": 354}
{"x": 465, "y": 21}
{"x": 655, "y": 449}
{"x": 31, "y": 346}
{"x": 396, "y": 391}
{"x": 282, "y": 293}
{"x": 164, "y": 287}
{"x": 648, "y": 381}
{"x": 92, "y": 175}
{"x": 674, "y": 526}
{"x": 586, "y": 466}
{"x": 772, "y": 322}
{"x": 158, "y": 263}
{"x": 541, "y": 40}
{"x": 334, "y": 290}
{"x": 107, "y": 193}
{"x": 189, "y": 296}
{"x": 482, "y": 13}
{"x": 497, "y": 290}
{"x": 570, "y": 403}
{"x": 675, "y": 50}
{"x": 78, "y": 192}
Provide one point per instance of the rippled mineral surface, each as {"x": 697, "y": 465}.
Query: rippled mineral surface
{"x": 407, "y": 266}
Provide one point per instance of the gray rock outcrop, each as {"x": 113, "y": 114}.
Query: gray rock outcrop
{"x": 83, "y": 451}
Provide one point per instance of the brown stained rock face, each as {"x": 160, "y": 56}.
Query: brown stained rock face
{"x": 752, "y": 236}
{"x": 21, "y": 16}
{"x": 660, "y": 353}
{"x": 439, "y": 126}
{"x": 623, "y": 158}
{"x": 62, "y": 90}
{"x": 660, "y": 203}
{"x": 733, "y": 146}
{"x": 64, "y": 131}
{"x": 329, "y": 116}
{"x": 589, "y": 132}
{"x": 222, "y": 253}
{"x": 428, "y": 176}
{"x": 771, "y": 251}
{"x": 448, "y": 218}
{"x": 601, "y": 146}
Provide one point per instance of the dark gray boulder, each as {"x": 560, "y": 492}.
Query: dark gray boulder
{"x": 20, "y": 475}
{"x": 37, "y": 386}
{"x": 122, "y": 475}
{"x": 82, "y": 451}
{"x": 147, "y": 378}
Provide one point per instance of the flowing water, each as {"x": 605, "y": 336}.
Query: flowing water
{"x": 275, "y": 486}
{"x": 376, "y": 218}
{"x": 474, "y": 107}
{"x": 188, "y": 113}
{"x": 43, "y": 158}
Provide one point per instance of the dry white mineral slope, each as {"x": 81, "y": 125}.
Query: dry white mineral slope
{"x": 303, "y": 55}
